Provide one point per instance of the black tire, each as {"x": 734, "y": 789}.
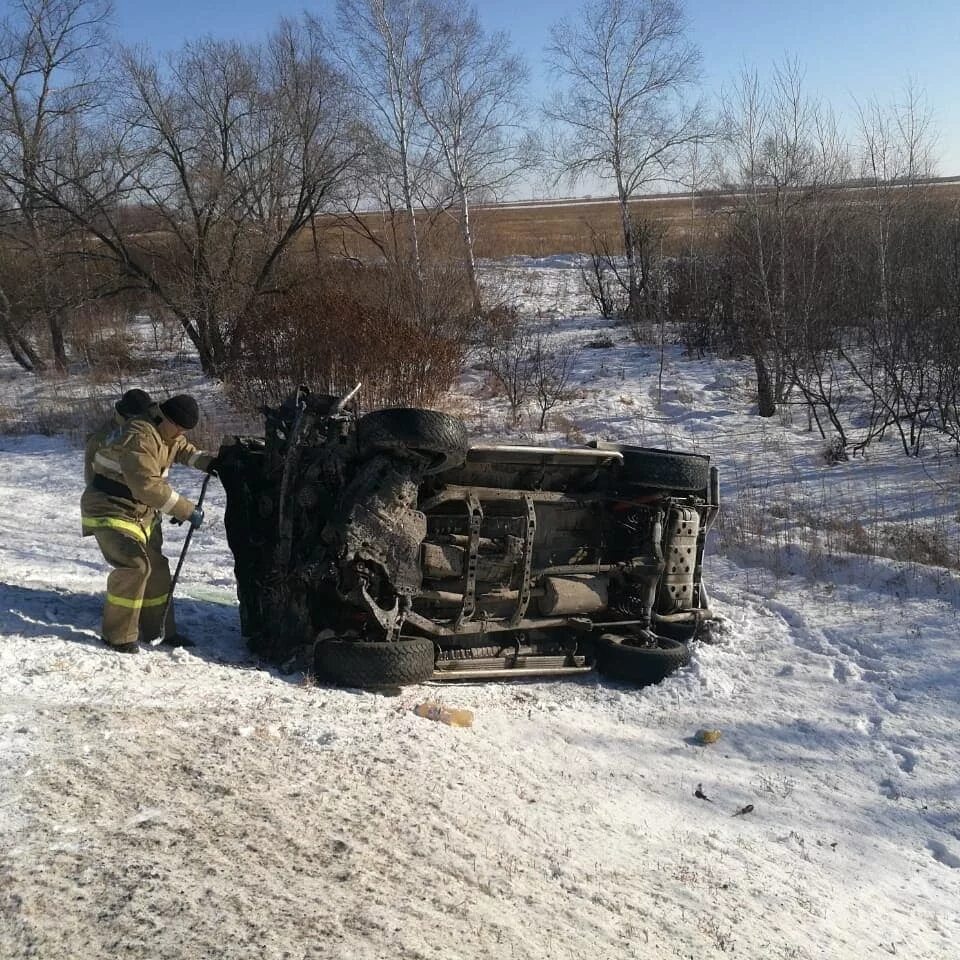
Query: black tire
{"x": 357, "y": 663}
{"x": 662, "y": 469}
{"x": 641, "y": 665}
{"x": 683, "y": 632}
{"x": 442, "y": 437}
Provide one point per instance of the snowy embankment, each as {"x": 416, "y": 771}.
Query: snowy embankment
{"x": 195, "y": 804}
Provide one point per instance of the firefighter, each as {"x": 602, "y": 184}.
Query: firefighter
{"x": 132, "y": 404}
{"x": 123, "y": 507}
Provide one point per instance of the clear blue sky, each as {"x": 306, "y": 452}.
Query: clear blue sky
{"x": 849, "y": 48}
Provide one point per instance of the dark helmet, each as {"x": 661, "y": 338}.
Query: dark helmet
{"x": 133, "y": 403}
{"x": 181, "y": 410}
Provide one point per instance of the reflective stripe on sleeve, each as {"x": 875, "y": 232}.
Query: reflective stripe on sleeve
{"x": 136, "y": 604}
{"x": 129, "y": 527}
{"x": 171, "y": 502}
{"x": 106, "y": 463}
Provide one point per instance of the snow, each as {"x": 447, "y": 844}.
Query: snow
{"x": 198, "y": 803}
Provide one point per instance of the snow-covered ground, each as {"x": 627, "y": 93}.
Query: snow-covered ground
{"x": 198, "y": 804}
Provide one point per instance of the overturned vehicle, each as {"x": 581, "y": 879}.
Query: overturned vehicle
{"x": 384, "y": 549}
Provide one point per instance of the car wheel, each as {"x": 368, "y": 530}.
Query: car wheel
{"x": 643, "y": 665}
{"x": 662, "y": 469}
{"x": 681, "y": 632}
{"x": 358, "y": 663}
{"x": 441, "y": 437}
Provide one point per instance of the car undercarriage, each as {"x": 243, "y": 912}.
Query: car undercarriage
{"x": 385, "y": 549}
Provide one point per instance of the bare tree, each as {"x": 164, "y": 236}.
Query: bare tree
{"x": 14, "y": 319}
{"x": 509, "y": 358}
{"x": 624, "y": 115}
{"x": 51, "y": 74}
{"x": 471, "y": 97}
{"x": 599, "y": 272}
{"x": 783, "y": 153}
{"x": 217, "y": 162}
{"x": 385, "y": 53}
{"x": 896, "y": 151}
{"x": 901, "y": 287}
{"x": 552, "y": 376}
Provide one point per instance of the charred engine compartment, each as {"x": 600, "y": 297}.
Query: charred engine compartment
{"x": 322, "y": 537}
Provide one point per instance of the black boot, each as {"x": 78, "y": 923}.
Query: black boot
{"x": 131, "y": 647}
{"x": 177, "y": 640}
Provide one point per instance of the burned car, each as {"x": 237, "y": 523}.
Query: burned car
{"x": 385, "y": 549}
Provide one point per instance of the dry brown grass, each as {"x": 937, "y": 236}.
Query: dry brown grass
{"x": 537, "y": 228}
{"x": 545, "y": 227}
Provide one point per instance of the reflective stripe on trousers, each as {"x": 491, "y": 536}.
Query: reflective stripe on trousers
{"x": 129, "y": 527}
{"x": 137, "y": 587}
{"x": 137, "y": 604}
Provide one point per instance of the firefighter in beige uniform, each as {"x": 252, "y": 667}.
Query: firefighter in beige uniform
{"x": 122, "y": 507}
{"x": 134, "y": 403}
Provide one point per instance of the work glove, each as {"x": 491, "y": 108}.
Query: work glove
{"x": 196, "y": 518}
{"x": 213, "y": 466}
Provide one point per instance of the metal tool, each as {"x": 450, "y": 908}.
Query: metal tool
{"x": 183, "y": 554}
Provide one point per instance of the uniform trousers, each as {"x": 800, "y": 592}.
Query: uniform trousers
{"x": 137, "y": 588}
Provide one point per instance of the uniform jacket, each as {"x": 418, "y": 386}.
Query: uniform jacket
{"x": 140, "y": 459}
{"x": 108, "y": 432}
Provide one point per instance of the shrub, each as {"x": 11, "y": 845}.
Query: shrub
{"x": 107, "y": 347}
{"x": 916, "y": 543}
{"x": 352, "y": 323}
{"x": 835, "y": 452}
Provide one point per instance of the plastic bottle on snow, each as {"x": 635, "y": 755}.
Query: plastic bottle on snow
{"x": 452, "y": 716}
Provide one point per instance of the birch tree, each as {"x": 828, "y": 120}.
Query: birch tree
{"x": 623, "y": 114}
{"x": 385, "y": 52}
{"x": 471, "y": 97}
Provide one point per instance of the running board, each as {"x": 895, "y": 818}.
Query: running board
{"x": 511, "y": 666}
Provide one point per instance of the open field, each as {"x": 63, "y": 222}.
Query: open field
{"x": 540, "y": 228}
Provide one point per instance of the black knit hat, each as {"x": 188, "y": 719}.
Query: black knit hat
{"x": 181, "y": 410}
{"x": 133, "y": 403}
